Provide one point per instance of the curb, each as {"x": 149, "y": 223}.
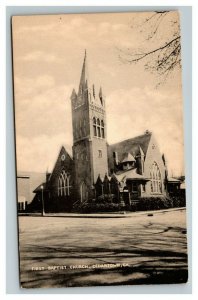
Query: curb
{"x": 104, "y": 216}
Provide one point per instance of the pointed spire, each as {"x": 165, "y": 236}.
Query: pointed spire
{"x": 84, "y": 75}
{"x": 47, "y": 175}
{"x": 101, "y": 96}
{"x": 73, "y": 95}
{"x": 164, "y": 159}
{"x": 100, "y": 93}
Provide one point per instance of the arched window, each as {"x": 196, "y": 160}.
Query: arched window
{"x": 94, "y": 126}
{"x": 156, "y": 182}
{"x": 102, "y": 129}
{"x": 64, "y": 184}
{"x": 98, "y": 128}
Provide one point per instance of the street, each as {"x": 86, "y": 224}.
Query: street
{"x": 141, "y": 249}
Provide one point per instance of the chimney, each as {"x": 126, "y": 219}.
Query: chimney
{"x": 115, "y": 156}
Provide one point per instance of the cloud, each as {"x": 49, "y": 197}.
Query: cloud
{"x": 40, "y": 56}
{"x": 42, "y": 107}
{"x": 107, "y": 69}
{"x": 29, "y": 87}
{"x": 75, "y": 30}
{"x": 40, "y": 152}
{"x": 131, "y": 112}
{"x": 48, "y": 54}
{"x": 45, "y": 124}
{"x": 31, "y": 24}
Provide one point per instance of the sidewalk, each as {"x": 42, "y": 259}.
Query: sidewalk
{"x": 105, "y": 215}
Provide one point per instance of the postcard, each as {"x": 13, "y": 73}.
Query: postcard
{"x": 99, "y": 149}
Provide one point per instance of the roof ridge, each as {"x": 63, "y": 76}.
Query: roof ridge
{"x": 136, "y": 137}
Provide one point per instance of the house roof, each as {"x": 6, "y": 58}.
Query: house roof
{"x": 129, "y": 174}
{"x": 132, "y": 146}
{"x": 62, "y": 151}
{"x": 67, "y": 148}
{"x": 31, "y": 181}
{"x": 23, "y": 176}
{"x": 173, "y": 180}
{"x": 128, "y": 158}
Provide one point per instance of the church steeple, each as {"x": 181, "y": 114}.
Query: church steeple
{"x": 89, "y": 134}
{"x": 83, "y": 85}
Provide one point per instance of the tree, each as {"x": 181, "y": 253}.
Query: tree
{"x": 165, "y": 56}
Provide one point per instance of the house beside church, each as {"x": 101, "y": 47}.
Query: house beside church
{"x": 26, "y": 184}
{"x": 123, "y": 172}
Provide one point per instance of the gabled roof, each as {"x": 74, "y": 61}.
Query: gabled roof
{"x": 32, "y": 179}
{"x": 67, "y": 148}
{"x": 128, "y": 158}
{"x": 129, "y": 174}
{"x": 133, "y": 145}
{"x": 173, "y": 180}
{"x": 136, "y": 146}
{"x": 63, "y": 159}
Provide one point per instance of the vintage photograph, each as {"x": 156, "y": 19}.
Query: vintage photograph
{"x": 100, "y": 170}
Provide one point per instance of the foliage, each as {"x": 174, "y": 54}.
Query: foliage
{"x": 106, "y": 198}
{"x": 152, "y": 203}
{"x": 179, "y": 201}
{"x": 99, "y": 207}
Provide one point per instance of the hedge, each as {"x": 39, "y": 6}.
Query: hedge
{"x": 152, "y": 203}
{"x": 143, "y": 204}
{"x": 99, "y": 207}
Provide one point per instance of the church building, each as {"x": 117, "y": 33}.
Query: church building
{"x": 122, "y": 172}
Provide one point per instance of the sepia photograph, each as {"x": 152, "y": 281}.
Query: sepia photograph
{"x": 99, "y": 137}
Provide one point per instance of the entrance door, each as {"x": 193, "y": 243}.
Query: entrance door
{"x": 134, "y": 190}
{"x": 126, "y": 196}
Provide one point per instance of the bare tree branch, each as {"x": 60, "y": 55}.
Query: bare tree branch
{"x": 143, "y": 55}
{"x": 164, "y": 58}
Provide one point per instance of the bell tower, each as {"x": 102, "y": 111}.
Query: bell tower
{"x": 89, "y": 135}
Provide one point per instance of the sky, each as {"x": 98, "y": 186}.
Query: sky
{"x": 48, "y": 53}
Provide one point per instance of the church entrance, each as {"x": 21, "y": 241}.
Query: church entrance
{"x": 83, "y": 192}
{"x": 126, "y": 196}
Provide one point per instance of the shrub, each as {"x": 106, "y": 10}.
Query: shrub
{"x": 99, "y": 207}
{"x": 152, "y": 203}
{"x": 179, "y": 201}
{"x": 106, "y": 198}
{"x": 106, "y": 203}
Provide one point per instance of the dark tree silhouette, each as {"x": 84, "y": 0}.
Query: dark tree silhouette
{"x": 166, "y": 56}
